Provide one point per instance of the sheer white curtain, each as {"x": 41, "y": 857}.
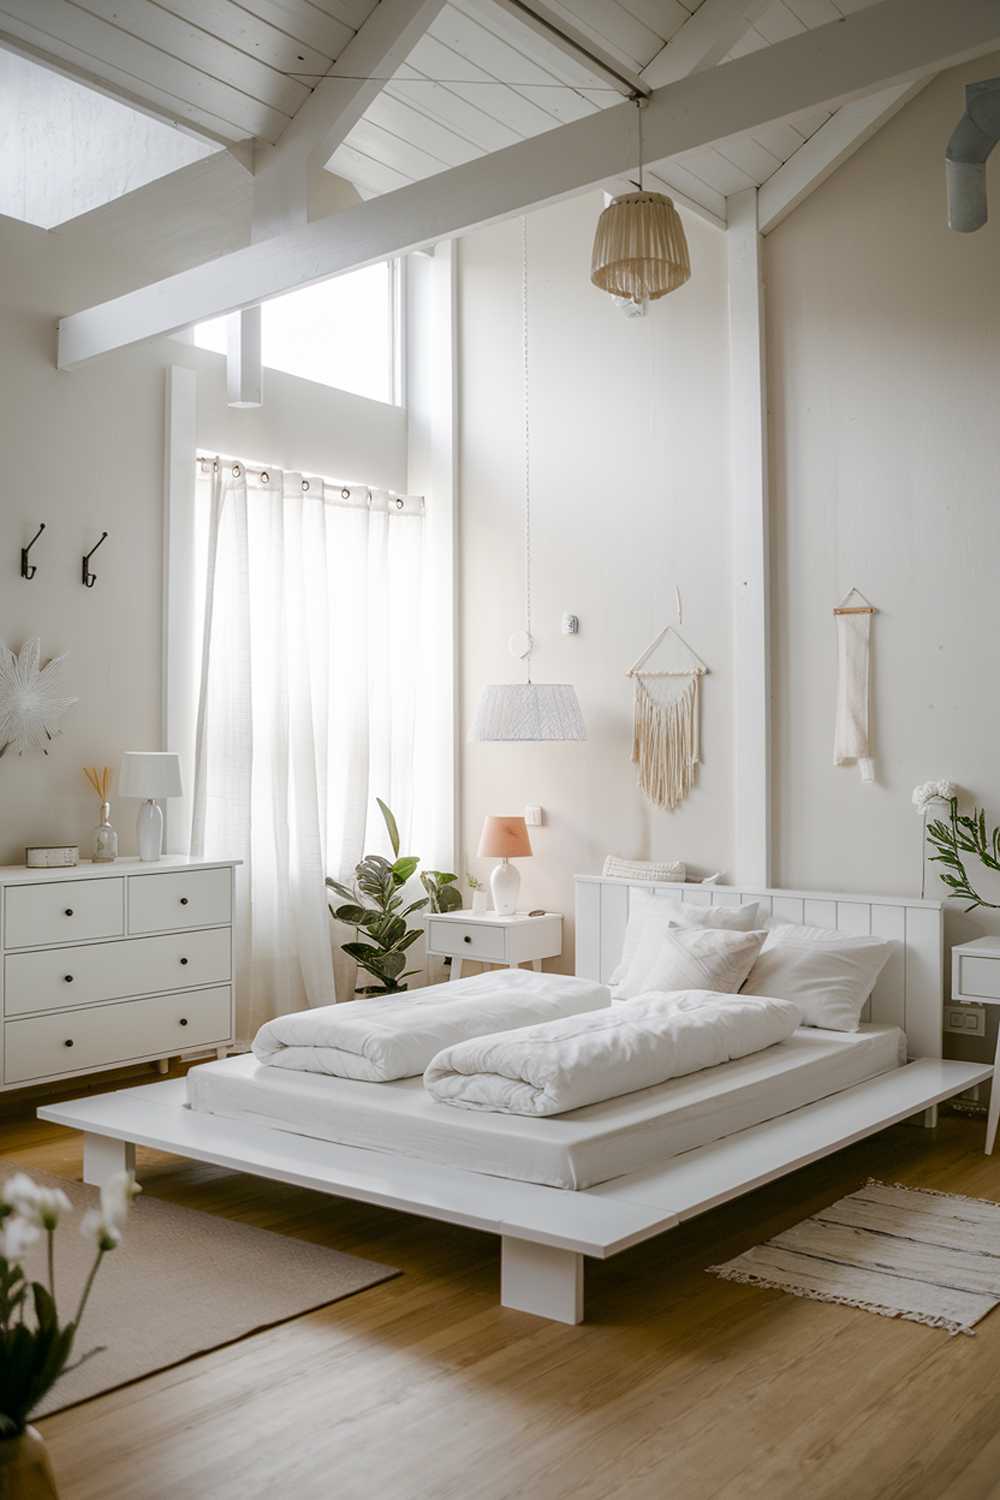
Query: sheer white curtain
{"x": 307, "y": 706}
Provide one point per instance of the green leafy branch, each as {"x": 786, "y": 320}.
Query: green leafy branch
{"x": 963, "y": 835}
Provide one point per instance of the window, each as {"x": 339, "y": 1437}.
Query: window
{"x": 339, "y": 332}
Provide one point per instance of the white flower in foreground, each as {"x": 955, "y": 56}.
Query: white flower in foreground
{"x": 931, "y": 791}
{"x": 16, "y": 1238}
{"x": 116, "y": 1198}
{"x": 104, "y": 1225}
{"x": 38, "y": 1205}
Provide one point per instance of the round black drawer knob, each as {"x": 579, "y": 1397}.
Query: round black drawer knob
{"x": 468, "y": 939}
{"x": 183, "y": 960}
{"x": 68, "y": 1042}
{"x": 184, "y": 901}
{"x": 69, "y": 911}
{"x": 68, "y": 978}
{"x": 183, "y": 1020}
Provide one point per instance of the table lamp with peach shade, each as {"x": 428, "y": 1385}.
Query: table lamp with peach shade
{"x": 504, "y": 838}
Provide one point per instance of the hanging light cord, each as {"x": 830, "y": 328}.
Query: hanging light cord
{"x": 527, "y": 435}
{"x": 638, "y": 115}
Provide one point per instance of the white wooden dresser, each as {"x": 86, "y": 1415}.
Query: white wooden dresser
{"x": 103, "y": 965}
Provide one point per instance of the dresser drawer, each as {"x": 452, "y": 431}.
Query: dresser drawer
{"x": 55, "y": 979}
{"x": 187, "y": 898}
{"x": 978, "y": 978}
{"x": 477, "y": 940}
{"x": 81, "y": 1040}
{"x": 64, "y": 911}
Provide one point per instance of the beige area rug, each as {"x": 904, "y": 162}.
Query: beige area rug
{"x": 181, "y": 1283}
{"x": 910, "y": 1253}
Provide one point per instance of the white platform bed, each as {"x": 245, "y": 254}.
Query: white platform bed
{"x": 639, "y": 1164}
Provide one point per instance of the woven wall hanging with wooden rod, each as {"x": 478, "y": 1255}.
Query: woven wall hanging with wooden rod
{"x": 666, "y": 736}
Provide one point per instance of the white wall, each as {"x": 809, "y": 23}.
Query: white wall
{"x": 884, "y": 348}
{"x": 631, "y": 497}
{"x": 84, "y": 453}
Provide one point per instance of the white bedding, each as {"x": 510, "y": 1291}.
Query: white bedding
{"x": 583, "y": 1059}
{"x": 378, "y": 1040}
{"x": 576, "y": 1150}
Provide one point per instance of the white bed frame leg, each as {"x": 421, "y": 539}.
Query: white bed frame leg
{"x": 103, "y": 1157}
{"x": 541, "y": 1280}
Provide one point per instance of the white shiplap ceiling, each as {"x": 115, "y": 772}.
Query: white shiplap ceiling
{"x": 479, "y": 79}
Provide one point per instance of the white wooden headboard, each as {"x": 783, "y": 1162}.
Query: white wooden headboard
{"x": 910, "y": 990}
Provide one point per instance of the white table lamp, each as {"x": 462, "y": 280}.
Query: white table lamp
{"x": 505, "y": 839}
{"x": 149, "y": 774}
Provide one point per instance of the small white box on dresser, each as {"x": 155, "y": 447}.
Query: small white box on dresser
{"x": 111, "y": 964}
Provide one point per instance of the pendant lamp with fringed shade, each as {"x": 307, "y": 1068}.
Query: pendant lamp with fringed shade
{"x": 640, "y": 248}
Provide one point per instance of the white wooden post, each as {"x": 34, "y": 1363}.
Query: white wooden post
{"x": 103, "y": 1157}
{"x": 244, "y": 367}
{"x": 541, "y": 1279}
{"x": 748, "y": 465}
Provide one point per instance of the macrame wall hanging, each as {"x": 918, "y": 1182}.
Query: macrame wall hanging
{"x": 851, "y": 739}
{"x": 666, "y": 735}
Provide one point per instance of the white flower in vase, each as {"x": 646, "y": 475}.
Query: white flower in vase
{"x": 924, "y": 797}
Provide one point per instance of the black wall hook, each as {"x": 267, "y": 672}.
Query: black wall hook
{"x": 89, "y": 578}
{"x": 28, "y": 570}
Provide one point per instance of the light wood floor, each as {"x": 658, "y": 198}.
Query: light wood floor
{"x": 679, "y": 1385}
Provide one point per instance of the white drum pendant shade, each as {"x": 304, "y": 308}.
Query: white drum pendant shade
{"x": 640, "y": 248}
{"x": 529, "y": 711}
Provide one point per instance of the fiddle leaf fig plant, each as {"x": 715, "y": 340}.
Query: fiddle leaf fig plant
{"x": 375, "y": 907}
{"x": 442, "y": 890}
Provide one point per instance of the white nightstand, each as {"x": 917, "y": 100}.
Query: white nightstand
{"x": 491, "y": 939}
{"x": 975, "y": 980}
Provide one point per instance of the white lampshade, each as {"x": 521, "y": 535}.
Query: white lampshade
{"x": 640, "y": 248}
{"x": 529, "y": 711}
{"x": 150, "y": 773}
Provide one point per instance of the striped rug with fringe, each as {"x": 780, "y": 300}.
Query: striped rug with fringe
{"x": 901, "y": 1252}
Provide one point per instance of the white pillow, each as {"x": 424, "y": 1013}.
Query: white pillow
{"x": 661, "y": 912}
{"x": 828, "y": 975}
{"x": 690, "y": 958}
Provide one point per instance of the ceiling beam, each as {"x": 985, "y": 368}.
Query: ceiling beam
{"x": 820, "y": 156}
{"x": 897, "y": 40}
{"x": 712, "y": 31}
{"x": 554, "y": 27}
{"x": 336, "y": 104}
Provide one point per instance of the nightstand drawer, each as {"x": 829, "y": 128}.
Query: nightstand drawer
{"x": 76, "y": 1041}
{"x": 194, "y": 898}
{"x": 978, "y": 978}
{"x": 64, "y": 911}
{"x": 56, "y": 979}
{"x": 477, "y": 940}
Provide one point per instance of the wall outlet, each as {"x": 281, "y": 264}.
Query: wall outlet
{"x": 967, "y": 1020}
{"x": 533, "y": 815}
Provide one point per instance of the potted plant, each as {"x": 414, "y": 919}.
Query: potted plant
{"x": 35, "y": 1347}
{"x": 374, "y": 907}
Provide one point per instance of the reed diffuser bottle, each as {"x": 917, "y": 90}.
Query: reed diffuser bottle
{"x": 105, "y": 844}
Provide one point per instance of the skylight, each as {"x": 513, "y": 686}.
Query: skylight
{"x": 67, "y": 149}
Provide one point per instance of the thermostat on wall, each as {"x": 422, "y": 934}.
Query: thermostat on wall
{"x": 52, "y": 856}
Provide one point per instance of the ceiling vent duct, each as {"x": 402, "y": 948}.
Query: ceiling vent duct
{"x": 972, "y": 140}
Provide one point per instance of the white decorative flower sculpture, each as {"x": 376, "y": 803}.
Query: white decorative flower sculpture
{"x": 931, "y": 791}
{"x": 31, "y": 698}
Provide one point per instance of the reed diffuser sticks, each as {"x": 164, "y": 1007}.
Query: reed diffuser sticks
{"x": 99, "y": 780}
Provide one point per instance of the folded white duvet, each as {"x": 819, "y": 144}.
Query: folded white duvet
{"x": 563, "y": 1065}
{"x": 396, "y": 1037}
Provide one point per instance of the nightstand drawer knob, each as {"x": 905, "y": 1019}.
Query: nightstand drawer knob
{"x": 467, "y": 938}
{"x": 183, "y": 1020}
{"x": 184, "y": 901}
{"x": 69, "y": 911}
{"x": 68, "y": 1042}
{"x": 68, "y": 978}
{"x": 183, "y": 960}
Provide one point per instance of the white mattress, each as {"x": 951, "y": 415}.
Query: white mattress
{"x": 575, "y": 1150}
